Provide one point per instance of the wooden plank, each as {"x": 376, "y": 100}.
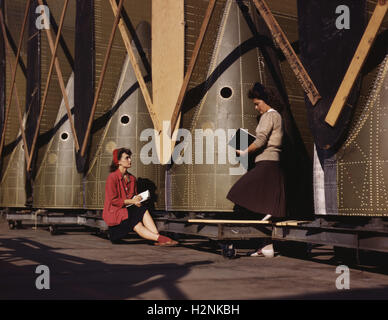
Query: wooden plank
{"x": 61, "y": 82}
{"x": 136, "y": 69}
{"x": 213, "y": 221}
{"x": 291, "y": 223}
{"x": 54, "y": 53}
{"x": 193, "y": 60}
{"x": 357, "y": 63}
{"x": 102, "y": 75}
{"x": 296, "y": 65}
{"x": 168, "y": 44}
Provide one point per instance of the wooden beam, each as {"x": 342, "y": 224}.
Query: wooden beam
{"x": 295, "y": 64}
{"x": 61, "y": 82}
{"x": 8, "y": 48}
{"x": 101, "y": 80}
{"x": 140, "y": 79}
{"x": 168, "y": 68}
{"x": 293, "y": 223}
{"x": 53, "y": 57}
{"x": 357, "y": 62}
{"x": 214, "y": 221}
{"x": 193, "y": 60}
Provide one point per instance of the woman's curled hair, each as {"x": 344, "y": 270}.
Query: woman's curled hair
{"x": 114, "y": 165}
{"x": 258, "y": 91}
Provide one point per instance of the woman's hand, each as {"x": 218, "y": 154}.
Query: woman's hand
{"x": 137, "y": 200}
{"x": 242, "y": 153}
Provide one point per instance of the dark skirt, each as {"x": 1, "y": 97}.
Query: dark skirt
{"x": 135, "y": 215}
{"x": 261, "y": 190}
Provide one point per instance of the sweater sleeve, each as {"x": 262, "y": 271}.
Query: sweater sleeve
{"x": 263, "y": 130}
{"x": 112, "y": 193}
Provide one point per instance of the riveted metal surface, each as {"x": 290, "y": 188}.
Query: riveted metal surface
{"x": 54, "y": 97}
{"x": 128, "y": 104}
{"x": 362, "y": 162}
{"x": 203, "y": 187}
{"x": 14, "y": 13}
{"x": 58, "y": 184}
{"x": 136, "y": 11}
{"x": 12, "y": 186}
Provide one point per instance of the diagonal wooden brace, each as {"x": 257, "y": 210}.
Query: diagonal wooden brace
{"x": 61, "y": 82}
{"x": 101, "y": 80}
{"x": 53, "y": 58}
{"x": 295, "y": 64}
{"x": 136, "y": 68}
{"x": 193, "y": 60}
{"x": 357, "y": 62}
{"x": 13, "y": 84}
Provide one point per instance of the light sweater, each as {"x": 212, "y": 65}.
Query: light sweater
{"x": 269, "y": 135}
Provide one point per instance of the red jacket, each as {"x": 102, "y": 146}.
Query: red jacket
{"x": 114, "y": 209}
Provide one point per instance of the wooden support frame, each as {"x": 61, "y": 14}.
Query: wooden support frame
{"x": 53, "y": 58}
{"x": 136, "y": 68}
{"x": 101, "y": 80}
{"x": 193, "y": 60}
{"x": 61, "y": 82}
{"x": 357, "y": 62}
{"x": 13, "y": 84}
{"x": 215, "y": 221}
{"x": 295, "y": 64}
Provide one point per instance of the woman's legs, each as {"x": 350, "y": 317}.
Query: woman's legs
{"x": 149, "y": 222}
{"x": 145, "y": 233}
{"x": 147, "y": 230}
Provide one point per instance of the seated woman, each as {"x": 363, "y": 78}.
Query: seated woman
{"x": 120, "y": 191}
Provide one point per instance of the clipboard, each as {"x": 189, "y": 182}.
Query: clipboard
{"x": 241, "y": 139}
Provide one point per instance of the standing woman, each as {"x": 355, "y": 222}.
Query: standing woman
{"x": 121, "y": 191}
{"x": 261, "y": 189}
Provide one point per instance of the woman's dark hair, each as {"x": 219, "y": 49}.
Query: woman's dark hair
{"x": 258, "y": 91}
{"x": 114, "y": 166}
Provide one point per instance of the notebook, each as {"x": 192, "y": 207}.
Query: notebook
{"x": 144, "y": 196}
{"x": 242, "y": 139}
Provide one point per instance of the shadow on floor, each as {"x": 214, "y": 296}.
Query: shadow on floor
{"x": 73, "y": 277}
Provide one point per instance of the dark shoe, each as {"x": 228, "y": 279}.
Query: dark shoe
{"x": 118, "y": 241}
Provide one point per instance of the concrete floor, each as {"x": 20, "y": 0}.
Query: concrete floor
{"x": 84, "y": 266}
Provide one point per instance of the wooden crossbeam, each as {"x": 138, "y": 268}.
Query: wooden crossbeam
{"x": 214, "y": 221}
{"x": 136, "y": 69}
{"x": 13, "y": 88}
{"x": 61, "y": 82}
{"x": 291, "y": 223}
{"x": 295, "y": 64}
{"x": 43, "y": 103}
{"x": 357, "y": 62}
{"x": 193, "y": 60}
{"x": 102, "y": 75}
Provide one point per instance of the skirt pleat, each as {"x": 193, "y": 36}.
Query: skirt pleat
{"x": 261, "y": 190}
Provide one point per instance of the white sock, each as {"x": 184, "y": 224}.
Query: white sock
{"x": 268, "y": 247}
{"x": 268, "y": 251}
{"x": 266, "y": 217}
